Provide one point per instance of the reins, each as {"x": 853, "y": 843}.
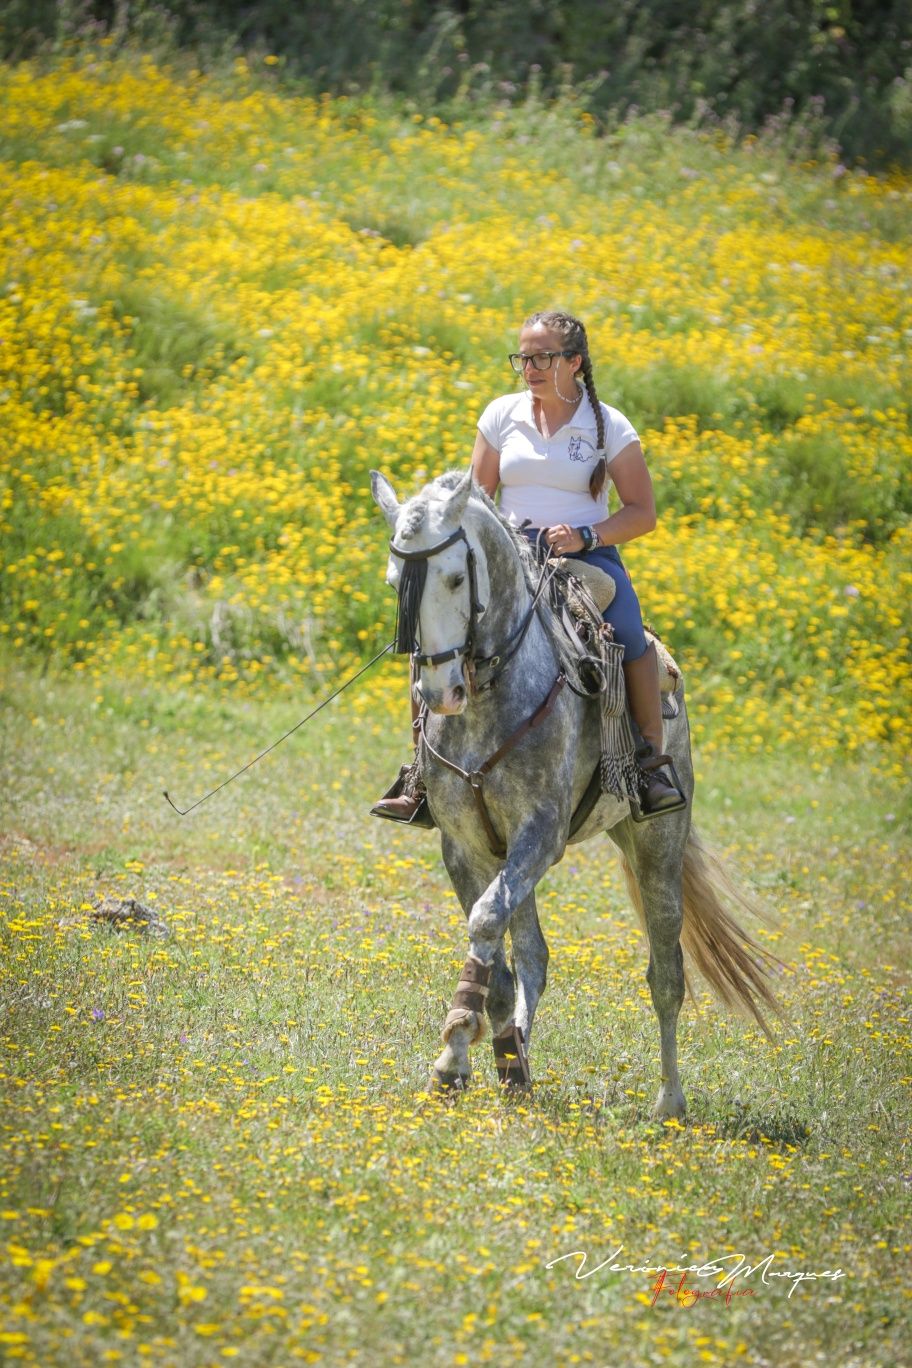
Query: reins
{"x": 182, "y": 812}
{"x": 500, "y": 662}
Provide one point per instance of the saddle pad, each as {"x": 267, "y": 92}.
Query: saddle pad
{"x": 598, "y": 582}
{"x": 670, "y": 673}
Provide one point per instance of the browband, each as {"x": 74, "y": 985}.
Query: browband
{"x": 458, "y": 535}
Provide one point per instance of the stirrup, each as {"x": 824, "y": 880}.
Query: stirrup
{"x": 646, "y": 766}
{"x": 405, "y": 786}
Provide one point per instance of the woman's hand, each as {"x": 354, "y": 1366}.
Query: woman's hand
{"x": 563, "y": 539}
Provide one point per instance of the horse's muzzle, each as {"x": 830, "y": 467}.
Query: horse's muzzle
{"x": 447, "y": 701}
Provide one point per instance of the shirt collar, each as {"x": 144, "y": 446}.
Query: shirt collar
{"x": 584, "y": 417}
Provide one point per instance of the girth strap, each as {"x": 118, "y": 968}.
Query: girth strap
{"x": 475, "y": 778}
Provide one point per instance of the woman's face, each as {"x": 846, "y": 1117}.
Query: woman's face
{"x": 559, "y": 380}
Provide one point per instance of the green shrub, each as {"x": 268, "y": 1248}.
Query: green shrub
{"x": 806, "y": 70}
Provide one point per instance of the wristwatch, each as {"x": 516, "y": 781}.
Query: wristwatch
{"x": 589, "y": 536}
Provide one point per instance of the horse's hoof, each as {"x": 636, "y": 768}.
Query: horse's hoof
{"x": 448, "y": 1081}
{"x": 670, "y": 1105}
{"x": 516, "y": 1087}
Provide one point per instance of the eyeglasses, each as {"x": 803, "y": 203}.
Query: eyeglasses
{"x": 540, "y": 360}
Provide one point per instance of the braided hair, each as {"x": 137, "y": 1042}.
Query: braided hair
{"x": 573, "y": 335}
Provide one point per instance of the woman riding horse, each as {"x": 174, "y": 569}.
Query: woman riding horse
{"x": 511, "y": 753}
{"x": 551, "y": 450}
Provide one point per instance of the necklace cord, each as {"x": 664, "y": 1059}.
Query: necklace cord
{"x": 182, "y": 812}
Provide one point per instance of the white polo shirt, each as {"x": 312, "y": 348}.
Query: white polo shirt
{"x": 546, "y": 479}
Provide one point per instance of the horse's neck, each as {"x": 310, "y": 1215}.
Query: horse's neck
{"x": 508, "y": 596}
{"x": 510, "y": 599}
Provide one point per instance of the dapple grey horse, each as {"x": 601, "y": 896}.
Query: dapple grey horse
{"x": 486, "y": 661}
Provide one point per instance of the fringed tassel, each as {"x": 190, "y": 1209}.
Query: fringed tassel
{"x": 411, "y": 587}
{"x": 614, "y": 699}
{"x": 620, "y": 774}
{"x": 619, "y": 771}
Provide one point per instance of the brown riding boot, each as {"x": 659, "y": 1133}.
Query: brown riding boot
{"x": 407, "y": 801}
{"x": 659, "y": 794}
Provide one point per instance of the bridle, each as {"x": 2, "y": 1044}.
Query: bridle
{"x": 411, "y": 588}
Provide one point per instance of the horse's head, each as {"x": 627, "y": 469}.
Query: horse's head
{"x": 438, "y": 569}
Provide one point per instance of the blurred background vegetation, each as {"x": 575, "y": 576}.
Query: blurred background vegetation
{"x": 840, "y": 68}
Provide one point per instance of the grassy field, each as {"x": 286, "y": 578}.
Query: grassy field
{"x": 222, "y": 304}
{"x": 215, "y": 1143}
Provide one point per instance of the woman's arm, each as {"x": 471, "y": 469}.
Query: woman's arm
{"x": 486, "y": 465}
{"x": 636, "y": 516}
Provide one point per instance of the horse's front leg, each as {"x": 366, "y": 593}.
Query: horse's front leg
{"x": 530, "y": 964}
{"x": 471, "y": 871}
{"x": 480, "y": 989}
{"x": 509, "y": 895}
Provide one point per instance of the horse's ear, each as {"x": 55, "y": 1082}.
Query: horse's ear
{"x": 385, "y": 497}
{"x": 455, "y": 505}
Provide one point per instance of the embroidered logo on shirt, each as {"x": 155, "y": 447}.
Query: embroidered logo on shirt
{"x": 575, "y": 451}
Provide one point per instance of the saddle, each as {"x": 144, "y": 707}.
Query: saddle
{"x": 592, "y": 661}
{"x": 585, "y": 592}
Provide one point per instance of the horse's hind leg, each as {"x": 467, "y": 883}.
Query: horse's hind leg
{"x": 663, "y": 908}
{"x": 651, "y": 859}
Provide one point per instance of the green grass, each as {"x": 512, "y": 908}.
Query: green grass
{"x": 218, "y": 1140}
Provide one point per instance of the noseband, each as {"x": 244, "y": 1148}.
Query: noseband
{"x": 411, "y": 587}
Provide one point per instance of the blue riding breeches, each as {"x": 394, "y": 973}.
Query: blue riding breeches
{"x": 624, "y": 611}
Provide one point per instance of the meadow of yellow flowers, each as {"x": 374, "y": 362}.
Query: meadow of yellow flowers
{"x": 221, "y": 305}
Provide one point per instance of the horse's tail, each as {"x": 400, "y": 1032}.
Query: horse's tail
{"x": 731, "y": 961}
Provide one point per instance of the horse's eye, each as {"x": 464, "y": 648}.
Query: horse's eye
{"x": 456, "y": 581}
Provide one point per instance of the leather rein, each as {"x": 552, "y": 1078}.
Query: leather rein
{"x": 496, "y": 663}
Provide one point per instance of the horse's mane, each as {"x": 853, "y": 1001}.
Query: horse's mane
{"x": 451, "y": 478}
